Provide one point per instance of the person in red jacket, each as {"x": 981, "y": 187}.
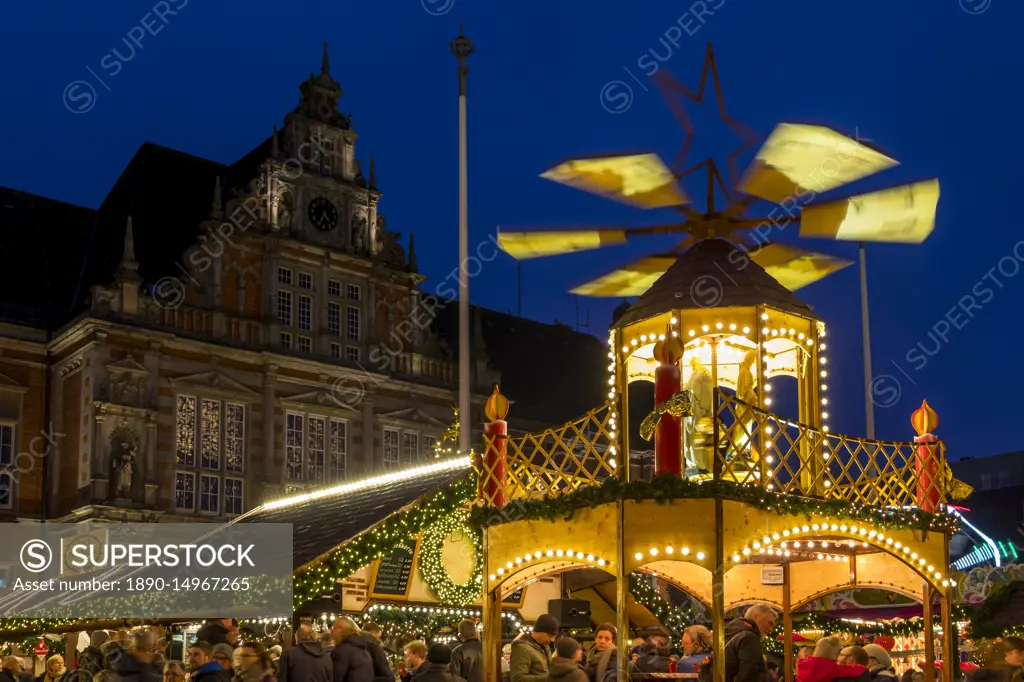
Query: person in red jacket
{"x": 822, "y": 666}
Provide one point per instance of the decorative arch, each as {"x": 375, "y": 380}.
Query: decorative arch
{"x": 685, "y": 587}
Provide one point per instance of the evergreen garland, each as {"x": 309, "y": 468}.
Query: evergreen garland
{"x": 379, "y": 541}
{"x": 665, "y": 488}
{"x": 432, "y": 560}
{"x": 675, "y": 618}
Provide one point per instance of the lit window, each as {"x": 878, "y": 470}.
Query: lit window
{"x": 391, "y": 460}
{"x": 185, "y": 454}
{"x": 305, "y": 280}
{"x": 213, "y": 441}
{"x": 315, "y": 448}
{"x": 209, "y": 435}
{"x": 234, "y": 502}
{"x": 284, "y": 307}
{"x": 353, "y": 324}
{"x": 293, "y": 446}
{"x": 184, "y": 491}
{"x": 284, "y": 276}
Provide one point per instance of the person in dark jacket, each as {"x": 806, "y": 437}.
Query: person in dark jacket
{"x": 468, "y": 657}
{"x": 140, "y": 663}
{"x": 90, "y": 661}
{"x": 530, "y": 658}
{"x": 1005, "y": 662}
{"x": 437, "y": 667}
{"x": 415, "y": 656}
{"x": 565, "y": 666}
{"x": 744, "y": 660}
{"x": 11, "y": 671}
{"x": 655, "y": 657}
{"x": 351, "y": 660}
{"x": 599, "y": 659}
{"x": 381, "y": 670}
{"x": 217, "y": 631}
{"x": 216, "y": 666}
{"x": 306, "y": 661}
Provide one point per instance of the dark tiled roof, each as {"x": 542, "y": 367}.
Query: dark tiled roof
{"x": 713, "y": 273}
{"x": 43, "y": 241}
{"x": 322, "y": 524}
{"x": 550, "y": 372}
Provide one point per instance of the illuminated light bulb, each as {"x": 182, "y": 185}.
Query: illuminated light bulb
{"x": 700, "y": 556}
{"x": 800, "y": 336}
{"x": 559, "y": 552}
{"x": 768, "y": 430}
{"x": 746, "y": 551}
{"x": 661, "y": 337}
{"x": 669, "y": 550}
{"x": 783, "y": 545}
{"x": 952, "y": 583}
{"x": 775, "y": 332}
{"x": 888, "y": 541}
{"x": 638, "y": 556}
{"x": 766, "y": 331}
{"x": 732, "y": 327}
{"x": 764, "y": 316}
{"x": 601, "y": 562}
{"x": 769, "y": 458}
{"x": 824, "y": 429}
{"x": 863, "y": 531}
{"x": 897, "y": 545}
{"x": 611, "y": 381}
{"x": 746, "y": 330}
{"x": 796, "y": 545}
{"x": 824, "y": 415}
{"x": 705, "y": 328}
{"x": 692, "y": 332}
{"x": 718, "y": 325}
{"x": 824, "y": 401}
{"x": 767, "y": 387}
{"x": 805, "y": 528}
{"x": 945, "y": 583}
{"x": 872, "y": 534}
{"x": 757, "y": 545}
{"x": 519, "y": 560}
{"x": 820, "y": 557}
{"x": 736, "y": 557}
{"x": 824, "y": 373}
{"x": 775, "y": 536}
{"x": 501, "y": 571}
{"x": 550, "y": 553}
{"x": 508, "y": 564}
{"x": 921, "y": 561}
{"x": 931, "y": 569}
{"x": 822, "y": 347}
{"x": 686, "y": 550}
{"x": 767, "y": 401}
{"x": 653, "y": 551}
{"x": 674, "y": 333}
{"x": 673, "y": 321}
{"x": 625, "y": 349}
{"x": 633, "y": 342}
{"x": 810, "y": 341}
{"x": 824, "y": 387}
{"x": 828, "y": 557}
{"x": 835, "y": 527}
{"x": 810, "y": 545}
{"x": 493, "y": 577}
{"x": 815, "y": 526}
{"x": 786, "y": 553}
{"x": 785, "y": 533}
{"x": 843, "y": 527}
{"x": 643, "y": 337}
{"x": 905, "y": 549}
{"x": 824, "y": 361}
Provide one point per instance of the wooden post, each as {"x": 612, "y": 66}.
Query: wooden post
{"x": 787, "y": 624}
{"x": 491, "y": 613}
{"x": 718, "y": 590}
{"x": 492, "y": 481}
{"x": 624, "y": 461}
{"x": 929, "y": 635}
{"x": 621, "y": 590}
{"x": 950, "y": 663}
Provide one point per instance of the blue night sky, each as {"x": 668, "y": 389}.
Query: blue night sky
{"x": 931, "y": 81}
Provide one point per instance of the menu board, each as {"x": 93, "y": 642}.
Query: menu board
{"x": 515, "y": 598}
{"x": 395, "y": 571}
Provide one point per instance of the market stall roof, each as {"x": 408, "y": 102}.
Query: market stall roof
{"x": 324, "y": 519}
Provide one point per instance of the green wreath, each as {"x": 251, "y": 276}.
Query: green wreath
{"x": 432, "y": 564}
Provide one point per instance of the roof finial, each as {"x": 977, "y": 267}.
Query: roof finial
{"x": 128, "y": 267}
{"x": 462, "y": 33}
{"x": 218, "y": 209}
{"x": 373, "y": 173}
{"x": 325, "y": 64}
{"x": 413, "y": 267}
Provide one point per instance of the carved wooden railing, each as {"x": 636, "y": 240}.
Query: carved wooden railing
{"x": 552, "y": 462}
{"x": 757, "y": 447}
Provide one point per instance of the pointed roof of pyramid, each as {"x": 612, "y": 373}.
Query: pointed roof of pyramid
{"x": 713, "y": 273}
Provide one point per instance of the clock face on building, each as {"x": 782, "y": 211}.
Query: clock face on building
{"x": 322, "y": 214}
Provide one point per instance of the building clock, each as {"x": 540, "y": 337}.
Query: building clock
{"x": 322, "y": 214}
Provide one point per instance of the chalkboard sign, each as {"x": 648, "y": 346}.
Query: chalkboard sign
{"x": 515, "y": 598}
{"x": 395, "y": 571}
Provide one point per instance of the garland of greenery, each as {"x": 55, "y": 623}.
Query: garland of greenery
{"x": 663, "y": 489}
{"x": 835, "y": 626}
{"x": 675, "y": 618}
{"x": 432, "y": 560}
{"x": 379, "y": 541}
{"x": 27, "y": 644}
{"x": 981, "y": 618}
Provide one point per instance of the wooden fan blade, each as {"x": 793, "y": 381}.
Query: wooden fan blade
{"x": 795, "y": 268}
{"x": 640, "y": 180}
{"x": 524, "y": 245}
{"x": 797, "y": 160}
{"x": 904, "y": 214}
{"x": 631, "y": 280}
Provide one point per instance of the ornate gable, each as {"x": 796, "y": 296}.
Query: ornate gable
{"x": 214, "y": 383}
{"x": 412, "y": 415}
{"x": 318, "y": 400}
{"x": 129, "y": 364}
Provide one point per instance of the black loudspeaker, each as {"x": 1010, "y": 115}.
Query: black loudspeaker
{"x": 571, "y": 613}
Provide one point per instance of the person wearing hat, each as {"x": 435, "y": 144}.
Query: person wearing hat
{"x": 879, "y": 663}
{"x": 530, "y": 657}
{"x": 437, "y": 667}
{"x": 565, "y": 666}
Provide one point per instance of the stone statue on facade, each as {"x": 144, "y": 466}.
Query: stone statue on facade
{"x": 124, "y": 446}
{"x": 359, "y": 234}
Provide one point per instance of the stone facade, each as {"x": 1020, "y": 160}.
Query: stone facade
{"x": 293, "y": 350}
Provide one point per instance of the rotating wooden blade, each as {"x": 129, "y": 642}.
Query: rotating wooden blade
{"x": 795, "y": 268}
{"x": 631, "y": 280}
{"x": 524, "y": 245}
{"x": 797, "y": 160}
{"x": 640, "y": 180}
{"x": 904, "y": 214}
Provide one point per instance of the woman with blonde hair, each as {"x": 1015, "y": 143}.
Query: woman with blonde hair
{"x": 54, "y": 669}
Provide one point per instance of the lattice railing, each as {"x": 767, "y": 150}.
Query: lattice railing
{"x": 754, "y": 446}
{"x": 552, "y": 462}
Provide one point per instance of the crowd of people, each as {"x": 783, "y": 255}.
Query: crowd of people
{"x": 348, "y": 653}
